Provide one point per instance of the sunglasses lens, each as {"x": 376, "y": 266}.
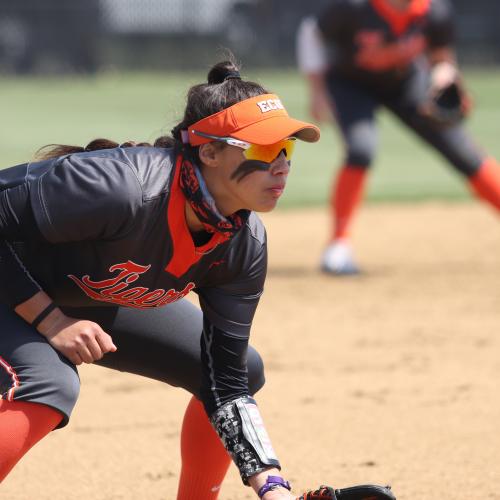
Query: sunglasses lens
{"x": 269, "y": 153}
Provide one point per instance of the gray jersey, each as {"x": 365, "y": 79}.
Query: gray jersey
{"x": 107, "y": 228}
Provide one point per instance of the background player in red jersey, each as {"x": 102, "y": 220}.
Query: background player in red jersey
{"x": 359, "y": 55}
{"x": 94, "y": 240}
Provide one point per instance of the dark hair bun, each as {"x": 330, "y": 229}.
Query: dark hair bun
{"x": 223, "y": 71}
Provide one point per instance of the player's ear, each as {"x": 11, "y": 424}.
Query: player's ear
{"x": 208, "y": 154}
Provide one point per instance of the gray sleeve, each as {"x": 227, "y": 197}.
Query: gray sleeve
{"x": 16, "y": 223}
{"x": 16, "y": 283}
{"x": 231, "y": 306}
{"x": 228, "y": 314}
{"x": 440, "y": 29}
{"x": 85, "y": 197}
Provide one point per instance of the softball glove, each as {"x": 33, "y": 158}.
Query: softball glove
{"x": 361, "y": 492}
{"x": 447, "y": 106}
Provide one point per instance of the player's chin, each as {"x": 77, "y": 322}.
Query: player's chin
{"x": 266, "y": 205}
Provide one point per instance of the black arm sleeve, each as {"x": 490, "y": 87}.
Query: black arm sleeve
{"x": 440, "y": 29}
{"x": 16, "y": 283}
{"x": 228, "y": 314}
{"x": 16, "y": 222}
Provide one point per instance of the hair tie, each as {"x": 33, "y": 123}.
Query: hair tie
{"x": 43, "y": 315}
{"x": 232, "y": 75}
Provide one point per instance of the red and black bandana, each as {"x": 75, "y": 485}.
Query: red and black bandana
{"x": 194, "y": 188}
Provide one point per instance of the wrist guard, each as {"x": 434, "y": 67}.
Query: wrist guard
{"x": 240, "y": 426}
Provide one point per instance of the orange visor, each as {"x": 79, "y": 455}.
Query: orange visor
{"x": 260, "y": 120}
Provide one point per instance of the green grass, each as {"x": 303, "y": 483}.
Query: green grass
{"x": 38, "y": 111}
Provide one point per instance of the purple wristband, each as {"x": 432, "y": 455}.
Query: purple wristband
{"x": 271, "y": 483}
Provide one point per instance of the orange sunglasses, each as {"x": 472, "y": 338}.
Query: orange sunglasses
{"x": 267, "y": 153}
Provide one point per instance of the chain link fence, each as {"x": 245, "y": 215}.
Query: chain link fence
{"x": 89, "y": 35}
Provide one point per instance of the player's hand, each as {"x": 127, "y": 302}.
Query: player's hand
{"x": 443, "y": 75}
{"x": 81, "y": 341}
{"x": 447, "y": 102}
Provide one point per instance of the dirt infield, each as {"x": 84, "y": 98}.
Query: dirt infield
{"x": 388, "y": 377}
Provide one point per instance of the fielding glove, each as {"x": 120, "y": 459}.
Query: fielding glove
{"x": 361, "y": 492}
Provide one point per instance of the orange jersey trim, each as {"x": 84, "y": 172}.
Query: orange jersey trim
{"x": 184, "y": 253}
{"x": 399, "y": 20}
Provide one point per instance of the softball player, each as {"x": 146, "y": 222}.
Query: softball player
{"x": 359, "y": 55}
{"x": 95, "y": 241}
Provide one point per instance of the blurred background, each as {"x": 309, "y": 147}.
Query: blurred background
{"x": 91, "y": 35}
{"x": 72, "y": 70}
